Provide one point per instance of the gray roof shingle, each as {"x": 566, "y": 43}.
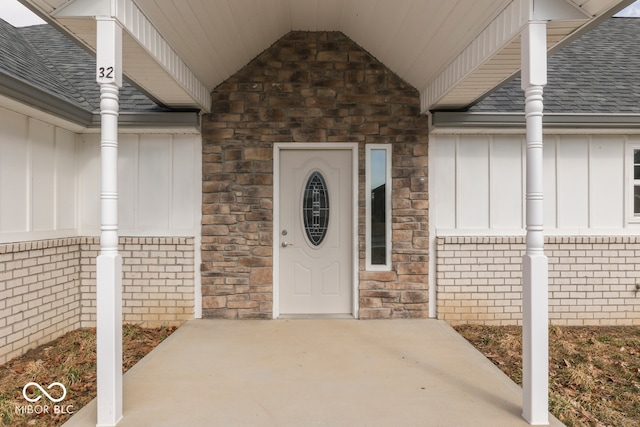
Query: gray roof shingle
{"x": 21, "y": 61}
{"x": 597, "y": 73}
{"x": 43, "y": 57}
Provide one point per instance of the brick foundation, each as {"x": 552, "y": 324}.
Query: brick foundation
{"x": 308, "y": 87}
{"x": 157, "y": 280}
{"x": 592, "y": 280}
{"x": 48, "y": 287}
{"x": 40, "y": 295}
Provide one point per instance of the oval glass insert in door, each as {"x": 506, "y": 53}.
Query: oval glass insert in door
{"x": 315, "y": 208}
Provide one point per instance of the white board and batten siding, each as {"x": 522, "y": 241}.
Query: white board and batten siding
{"x": 478, "y": 185}
{"x": 159, "y": 185}
{"x": 37, "y": 179}
{"x": 50, "y": 182}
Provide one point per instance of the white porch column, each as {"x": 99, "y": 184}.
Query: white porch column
{"x": 535, "y": 310}
{"x": 109, "y": 262}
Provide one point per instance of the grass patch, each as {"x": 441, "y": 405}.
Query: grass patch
{"x": 594, "y": 372}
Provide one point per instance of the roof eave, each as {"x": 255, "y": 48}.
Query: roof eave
{"x": 142, "y": 40}
{"x": 153, "y": 121}
{"x": 89, "y": 121}
{"x": 43, "y": 100}
{"x": 472, "y": 75}
{"x": 466, "y": 122}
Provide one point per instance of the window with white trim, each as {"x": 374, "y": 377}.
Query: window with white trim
{"x": 378, "y": 207}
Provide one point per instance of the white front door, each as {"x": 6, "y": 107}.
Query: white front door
{"x": 315, "y": 235}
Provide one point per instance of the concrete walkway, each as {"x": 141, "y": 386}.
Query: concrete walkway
{"x": 316, "y": 373}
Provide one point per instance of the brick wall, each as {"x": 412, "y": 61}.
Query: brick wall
{"x": 592, "y": 280}
{"x": 39, "y": 293}
{"x": 47, "y": 287}
{"x": 157, "y": 280}
{"x": 308, "y": 87}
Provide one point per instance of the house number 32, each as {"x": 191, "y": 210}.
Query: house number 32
{"x": 105, "y": 72}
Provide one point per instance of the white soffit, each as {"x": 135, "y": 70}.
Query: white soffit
{"x": 148, "y": 60}
{"x": 414, "y": 38}
{"x": 216, "y": 38}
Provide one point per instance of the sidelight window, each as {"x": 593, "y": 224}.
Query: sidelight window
{"x": 378, "y": 206}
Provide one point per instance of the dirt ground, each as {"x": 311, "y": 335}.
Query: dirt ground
{"x": 594, "y": 372}
{"x": 71, "y": 361}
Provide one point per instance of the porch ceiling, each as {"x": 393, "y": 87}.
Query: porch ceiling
{"x": 452, "y": 51}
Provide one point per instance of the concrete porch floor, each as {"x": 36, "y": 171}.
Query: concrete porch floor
{"x": 316, "y": 373}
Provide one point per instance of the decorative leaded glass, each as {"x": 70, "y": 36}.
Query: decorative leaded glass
{"x": 315, "y": 208}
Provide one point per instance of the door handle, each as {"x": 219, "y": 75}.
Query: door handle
{"x": 285, "y": 244}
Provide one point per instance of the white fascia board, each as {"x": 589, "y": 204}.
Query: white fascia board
{"x": 143, "y": 31}
{"x": 557, "y": 10}
{"x": 554, "y": 124}
{"x": 445, "y": 122}
{"x": 39, "y": 112}
{"x": 136, "y": 24}
{"x": 498, "y": 34}
{"x": 84, "y": 8}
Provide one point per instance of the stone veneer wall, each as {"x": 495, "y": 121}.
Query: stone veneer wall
{"x": 308, "y": 87}
{"x": 592, "y": 280}
{"x": 47, "y": 287}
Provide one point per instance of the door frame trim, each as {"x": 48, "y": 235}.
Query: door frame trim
{"x": 279, "y": 146}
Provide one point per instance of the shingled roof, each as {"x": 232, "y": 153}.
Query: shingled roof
{"x": 598, "y": 73}
{"x": 43, "y": 58}
{"x": 595, "y": 74}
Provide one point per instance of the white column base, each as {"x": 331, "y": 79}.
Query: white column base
{"x": 535, "y": 340}
{"x": 109, "y": 338}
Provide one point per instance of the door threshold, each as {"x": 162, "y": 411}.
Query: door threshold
{"x": 317, "y": 316}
